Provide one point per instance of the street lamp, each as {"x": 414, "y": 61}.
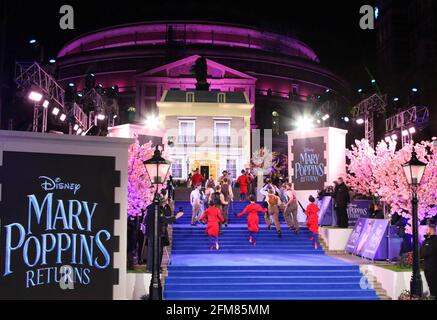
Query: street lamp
{"x": 158, "y": 169}
{"x": 414, "y": 170}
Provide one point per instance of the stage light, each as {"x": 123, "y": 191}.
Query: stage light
{"x": 71, "y": 85}
{"x": 305, "y": 124}
{"x": 360, "y": 121}
{"x": 55, "y": 111}
{"x": 412, "y": 130}
{"x": 396, "y": 99}
{"x": 46, "y": 104}
{"x": 152, "y": 122}
{"x": 346, "y": 119}
{"x": 325, "y": 117}
{"x": 360, "y": 90}
{"x": 35, "y": 96}
{"x": 80, "y": 131}
{"x": 63, "y": 117}
{"x": 32, "y": 41}
{"x": 394, "y": 137}
{"x": 52, "y": 61}
{"x": 328, "y": 90}
{"x": 319, "y": 122}
{"x": 115, "y": 117}
{"x": 76, "y": 127}
{"x": 93, "y": 75}
{"x": 415, "y": 90}
{"x": 405, "y": 133}
{"x": 101, "y": 117}
{"x": 80, "y": 95}
{"x": 373, "y": 81}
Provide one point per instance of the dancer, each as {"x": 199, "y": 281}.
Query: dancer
{"x": 313, "y": 221}
{"x": 273, "y": 202}
{"x": 291, "y": 209}
{"x": 213, "y": 217}
{"x": 243, "y": 182}
{"x": 252, "y": 219}
{"x": 226, "y": 197}
{"x": 196, "y": 204}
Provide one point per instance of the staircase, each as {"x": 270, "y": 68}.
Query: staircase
{"x": 286, "y": 268}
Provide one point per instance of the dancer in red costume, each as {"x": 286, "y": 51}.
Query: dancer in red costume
{"x": 252, "y": 219}
{"x": 313, "y": 221}
{"x": 213, "y": 217}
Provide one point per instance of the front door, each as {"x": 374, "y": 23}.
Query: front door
{"x": 204, "y": 171}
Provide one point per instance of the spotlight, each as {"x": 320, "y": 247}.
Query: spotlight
{"x": 319, "y": 122}
{"x": 71, "y": 85}
{"x": 405, "y": 133}
{"x": 32, "y": 41}
{"x": 152, "y": 122}
{"x": 415, "y": 90}
{"x": 80, "y": 131}
{"x": 360, "y": 90}
{"x": 328, "y": 90}
{"x": 93, "y": 75}
{"x": 46, "y": 104}
{"x": 101, "y": 117}
{"x": 394, "y": 137}
{"x": 396, "y": 99}
{"x": 360, "y": 121}
{"x": 305, "y": 124}
{"x": 35, "y": 96}
{"x": 412, "y": 130}
{"x": 55, "y": 111}
{"x": 346, "y": 119}
{"x": 52, "y": 61}
{"x": 63, "y": 117}
{"x": 325, "y": 117}
{"x": 80, "y": 95}
{"x": 115, "y": 117}
{"x": 373, "y": 81}
{"x": 76, "y": 127}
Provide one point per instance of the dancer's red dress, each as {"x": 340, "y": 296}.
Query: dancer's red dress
{"x": 313, "y": 218}
{"x": 213, "y": 217}
{"x": 244, "y": 182}
{"x": 252, "y": 219}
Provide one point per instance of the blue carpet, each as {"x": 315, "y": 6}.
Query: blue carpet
{"x": 286, "y": 268}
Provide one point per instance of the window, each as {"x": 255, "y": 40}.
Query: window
{"x": 187, "y": 132}
{"x": 222, "y": 97}
{"x": 176, "y": 169}
{"x": 222, "y": 132}
{"x": 190, "y": 97}
{"x": 231, "y": 167}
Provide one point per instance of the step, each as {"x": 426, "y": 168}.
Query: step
{"x": 209, "y": 287}
{"x": 262, "y": 279}
{"x": 263, "y": 268}
{"x": 263, "y": 274}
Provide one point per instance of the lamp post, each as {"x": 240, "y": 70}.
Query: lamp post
{"x": 414, "y": 170}
{"x": 157, "y": 169}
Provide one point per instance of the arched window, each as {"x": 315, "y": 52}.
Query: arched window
{"x": 275, "y": 123}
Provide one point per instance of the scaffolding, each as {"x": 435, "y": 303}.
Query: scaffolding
{"x": 366, "y": 110}
{"x": 32, "y": 75}
{"x": 415, "y": 117}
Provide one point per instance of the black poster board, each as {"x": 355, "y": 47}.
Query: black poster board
{"x": 57, "y": 226}
{"x": 309, "y": 164}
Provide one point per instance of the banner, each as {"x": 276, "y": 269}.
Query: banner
{"x": 379, "y": 231}
{"x": 357, "y": 209}
{"x": 355, "y": 236}
{"x": 309, "y": 164}
{"x": 57, "y": 226}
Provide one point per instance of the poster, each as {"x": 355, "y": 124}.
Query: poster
{"x": 355, "y": 236}
{"x": 357, "y": 209}
{"x": 57, "y": 226}
{"x": 309, "y": 164}
{"x": 376, "y": 239}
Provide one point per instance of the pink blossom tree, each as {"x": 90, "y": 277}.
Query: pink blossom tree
{"x": 378, "y": 173}
{"x": 140, "y": 189}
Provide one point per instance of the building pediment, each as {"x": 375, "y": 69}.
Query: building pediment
{"x": 182, "y": 69}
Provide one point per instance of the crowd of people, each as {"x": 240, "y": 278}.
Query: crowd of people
{"x": 211, "y": 202}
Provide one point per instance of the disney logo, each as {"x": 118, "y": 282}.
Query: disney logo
{"x": 49, "y": 184}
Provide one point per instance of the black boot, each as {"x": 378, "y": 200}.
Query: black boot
{"x": 279, "y": 234}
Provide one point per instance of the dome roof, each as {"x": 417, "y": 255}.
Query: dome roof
{"x": 189, "y": 33}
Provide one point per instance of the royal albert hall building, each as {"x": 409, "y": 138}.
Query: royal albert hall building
{"x": 279, "y": 74}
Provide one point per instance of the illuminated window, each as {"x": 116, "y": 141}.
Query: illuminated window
{"x": 275, "y": 123}
{"x": 176, "y": 168}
